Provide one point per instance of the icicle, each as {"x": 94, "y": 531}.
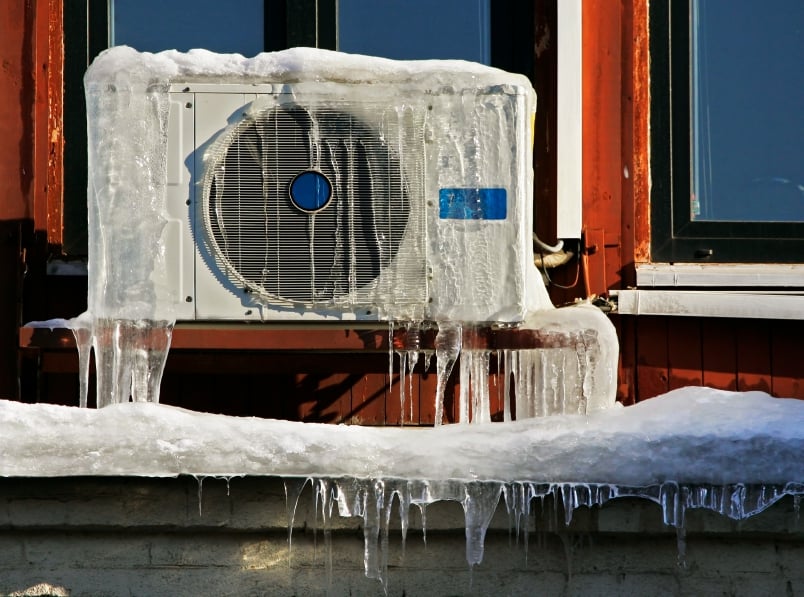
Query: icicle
{"x": 404, "y": 513}
{"x": 506, "y": 386}
{"x": 412, "y": 364}
{"x": 423, "y": 511}
{"x": 541, "y": 374}
{"x": 672, "y": 505}
{"x": 448, "y": 341}
{"x": 373, "y": 500}
{"x": 568, "y": 499}
{"x": 123, "y": 361}
{"x": 402, "y": 384}
{"x": 200, "y": 480}
{"x": 518, "y": 507}
{"x": 387, "y": 507}
{"x": 151, "y": 345}
{"x": 412, "y": 348}
{"x": 103, "y": 347}
{"x": 481, "y": 406}
{"x": 374, "y": 496}
{"x": 83, "y": 341}
{"x": 293, "y": 490}
{"x": 407, "y": 347}
{"x": 479, "y": 505}
{"x": 391, "y": 353}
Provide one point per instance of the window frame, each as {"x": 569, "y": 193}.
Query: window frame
{"x": 675, "y": 237}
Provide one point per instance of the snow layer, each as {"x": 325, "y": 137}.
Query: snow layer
{"x": 691, "y": 436}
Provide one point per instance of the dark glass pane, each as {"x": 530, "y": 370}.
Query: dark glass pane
{"x": 154, "y": 25}
{"x": 747, "y": 105}
{"x": 414, "y": 29}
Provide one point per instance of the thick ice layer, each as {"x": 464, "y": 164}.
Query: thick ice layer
{"x": 734, "y": 453}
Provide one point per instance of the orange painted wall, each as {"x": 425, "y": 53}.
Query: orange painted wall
{"x": 16, "y": 105}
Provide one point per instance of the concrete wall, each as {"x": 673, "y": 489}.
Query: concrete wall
{"x": 139, "y": 536}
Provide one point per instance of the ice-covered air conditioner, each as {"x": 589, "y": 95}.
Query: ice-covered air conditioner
{"x": 327, "y": 199}
{"x": 309, "y": 185}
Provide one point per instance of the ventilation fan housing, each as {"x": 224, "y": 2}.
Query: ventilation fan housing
{"x": 329, "y": 200}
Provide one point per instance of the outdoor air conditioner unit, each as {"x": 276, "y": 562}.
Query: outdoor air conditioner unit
{"x": 328, "y": 200}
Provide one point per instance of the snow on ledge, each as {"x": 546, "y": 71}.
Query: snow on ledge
{"x": 691, "y": 435}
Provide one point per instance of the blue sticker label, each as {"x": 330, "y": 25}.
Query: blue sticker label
{"x": 472, "y": 204}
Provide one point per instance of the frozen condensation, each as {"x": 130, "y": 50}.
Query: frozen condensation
{"x": 733, "y": 453}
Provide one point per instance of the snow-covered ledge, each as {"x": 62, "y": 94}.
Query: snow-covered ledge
{"x": 732, "y": 453}
{"x": 750, "y": 304}
{"x": 690, "y": 435}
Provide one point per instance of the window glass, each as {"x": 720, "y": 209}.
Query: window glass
{"x": 414, "y": 29}
{"x": 747, "y": 105}
{"x": 154, "y": 25}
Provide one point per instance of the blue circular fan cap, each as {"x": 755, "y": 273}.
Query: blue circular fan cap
{"x": 310, "y": 191}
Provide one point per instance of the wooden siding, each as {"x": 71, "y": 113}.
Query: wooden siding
{"x": 313, "y": 387}
{"x": 728, "y": 354}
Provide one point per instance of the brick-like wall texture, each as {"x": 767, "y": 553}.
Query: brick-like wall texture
{"x": 140, "y": 536}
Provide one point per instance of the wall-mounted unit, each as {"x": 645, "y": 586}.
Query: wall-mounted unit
{"x": 324, "y": 199}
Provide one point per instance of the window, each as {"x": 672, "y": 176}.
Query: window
{"x": 398, "y": 29}
{"x": 727, "y": 164}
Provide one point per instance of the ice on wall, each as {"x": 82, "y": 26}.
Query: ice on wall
{"x": 477, "y": 275}
{"x": 734, "y": 453}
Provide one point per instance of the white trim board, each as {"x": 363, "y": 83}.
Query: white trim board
{"x": 569, "y": 119}
{"x": 700, "y": 303}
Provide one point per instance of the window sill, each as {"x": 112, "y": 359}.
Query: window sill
{"x": 716, "y": 275}
{"x": 712, "y": 303}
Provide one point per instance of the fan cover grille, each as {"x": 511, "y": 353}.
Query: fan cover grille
{"x": 266, "y": 245}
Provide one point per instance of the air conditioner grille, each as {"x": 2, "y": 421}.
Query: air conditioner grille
{"x": 267, "y": 245}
